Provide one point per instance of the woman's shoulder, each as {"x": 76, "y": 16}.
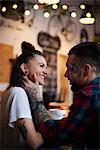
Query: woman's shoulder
{"x": 17, "y": 90}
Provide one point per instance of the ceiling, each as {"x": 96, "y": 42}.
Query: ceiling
{"x": 72, "y": 2}
{"x": 17, "y": 14}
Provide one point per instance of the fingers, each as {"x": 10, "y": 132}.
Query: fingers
{"x": 61, "y": 105}
{"x": 54, "y": 104}
{"x": 25, "y": 81}
{"x": 36, "y": 79}
{"x": 29, "y": 83}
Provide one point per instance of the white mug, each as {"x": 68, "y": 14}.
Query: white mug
{"x": 56, "y": 114}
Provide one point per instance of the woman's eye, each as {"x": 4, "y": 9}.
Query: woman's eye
{"x": 41, "y": 65}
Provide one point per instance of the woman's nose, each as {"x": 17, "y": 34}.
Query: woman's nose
{"x": 46, "y": 71}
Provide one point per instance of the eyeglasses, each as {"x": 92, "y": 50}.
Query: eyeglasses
{"x": 73, "y": 67}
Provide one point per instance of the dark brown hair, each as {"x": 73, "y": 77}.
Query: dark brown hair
{"x": 28, "y": 52}
{"x": 88, "y": 52}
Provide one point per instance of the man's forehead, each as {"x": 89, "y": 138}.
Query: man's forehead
{"x": 72, "y": 59}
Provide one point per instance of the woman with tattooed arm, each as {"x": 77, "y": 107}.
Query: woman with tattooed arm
{"x": 17, "y": 128}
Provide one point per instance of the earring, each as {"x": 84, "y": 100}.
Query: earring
{"x": 26, "y": 72}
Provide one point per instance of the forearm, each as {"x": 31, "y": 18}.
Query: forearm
{"x": 29, "y": 134}
{"x": 69, "y": 129}
{"x": 33, "y": 94}
{"x": 39, "y": 111}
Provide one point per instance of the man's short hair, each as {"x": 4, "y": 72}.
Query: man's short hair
{"x": 87, "y": 52}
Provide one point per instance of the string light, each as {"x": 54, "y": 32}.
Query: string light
{"x": 46, "y": 14}
{"x": 54, "y": 6}
{"x": 64, "y": 7}
{"x": 88, "y": 14}
{"x": 36, "y": 6}
{"x": 3, "y": 9}
{"x": 82, "y": 6}
{"x": 27, "y": 12}
{"x": 15, "y": 6}
{"x": 49, "y": 2}
{"x": 73, "y": 14}
{"x": 49, "y": 5}
{"x": 41, "y": 1}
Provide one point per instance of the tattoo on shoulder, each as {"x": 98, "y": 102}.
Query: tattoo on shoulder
{"x": 23, "y": 131}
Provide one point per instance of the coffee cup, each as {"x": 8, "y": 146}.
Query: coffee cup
{"x": 56, "y": 114}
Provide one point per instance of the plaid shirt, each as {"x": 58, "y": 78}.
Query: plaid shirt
{"x": 81, "y": 127}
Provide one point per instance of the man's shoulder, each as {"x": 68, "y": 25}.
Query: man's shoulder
{"x": 93, "y": 87}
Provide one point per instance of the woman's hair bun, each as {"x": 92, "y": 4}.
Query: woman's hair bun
{"x": 27, "y": 47}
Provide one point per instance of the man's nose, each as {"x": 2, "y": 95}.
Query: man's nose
{"x": 66, "y": 74}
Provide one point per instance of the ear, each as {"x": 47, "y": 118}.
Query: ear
{"x": 24, "y": 68}
{"x": 88, "y": 69}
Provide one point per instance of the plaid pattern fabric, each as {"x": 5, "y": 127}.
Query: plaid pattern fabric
{"x": 81, "y": 122}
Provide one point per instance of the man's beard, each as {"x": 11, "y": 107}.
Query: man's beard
{"x": 75, "y": 87}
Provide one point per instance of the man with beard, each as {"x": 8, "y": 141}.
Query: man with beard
{"x": 81, "y": 128}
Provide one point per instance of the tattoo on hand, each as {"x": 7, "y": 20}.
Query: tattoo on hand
{"x": 23, "y": 131}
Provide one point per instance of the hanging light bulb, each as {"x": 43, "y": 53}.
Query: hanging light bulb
{"x": 54, "y": 6}
{"x": 41, "y": 1}
{"x": 88, "y": 15}
{"x": 87, "y": 18}
{"x": 73, "y": 14}
{"x": 64, "y": 7}
{"x": 27, "y": 12}
{"x": 82, "y": 6}
{"x": 14, "y": 6}
{"x": 36, "y": 6}
{"x": 49, "y": 2}
{"x": 3, "y": 9}
{"x": 46, "y": 14}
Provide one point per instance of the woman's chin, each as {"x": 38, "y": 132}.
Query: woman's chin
{"x": 41, "y": 83}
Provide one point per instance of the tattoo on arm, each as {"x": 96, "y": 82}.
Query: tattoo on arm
{"x": 23, "y": 131}
{"x": 33, "y": 94}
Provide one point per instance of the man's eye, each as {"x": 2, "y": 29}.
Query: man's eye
{"x": 73, "y": 67}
